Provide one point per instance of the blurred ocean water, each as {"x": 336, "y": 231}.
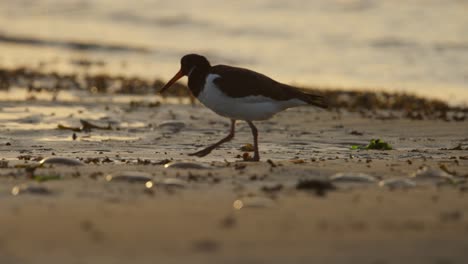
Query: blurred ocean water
{"x": 417, "y": 46}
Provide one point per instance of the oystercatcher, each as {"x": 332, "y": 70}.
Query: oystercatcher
{"x": 238, "y": 94}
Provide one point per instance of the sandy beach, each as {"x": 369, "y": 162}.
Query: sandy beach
{"x": 94, "y": 165}
{"x": 310, "y": 199}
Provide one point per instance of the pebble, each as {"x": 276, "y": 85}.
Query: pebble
{"x": 172, "y": 125}
{"x": 173, "y": 182}
{"x": 320, "y": 187}
{"x": 253, "y": 202}
{"x": 33, "y": 119}
{"x": 61, "y": 161}
{"x": 272, "y": 187}
{"x": 30, "y": 189}
{"x": 129, "y": 176}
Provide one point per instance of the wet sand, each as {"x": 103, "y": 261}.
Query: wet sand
{"x": 290, "y": 207}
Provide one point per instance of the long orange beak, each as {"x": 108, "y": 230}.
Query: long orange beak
{"x": 174, "y": 79}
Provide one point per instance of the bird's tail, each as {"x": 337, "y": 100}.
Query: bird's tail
{"x": 315, "y": 100}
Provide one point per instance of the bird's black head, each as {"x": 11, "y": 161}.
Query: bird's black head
{"x": 188, "y": 63}
{"x": 191, "y": 61}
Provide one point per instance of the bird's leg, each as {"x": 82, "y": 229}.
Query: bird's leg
{"x": 208, "y": 149}
{"x": 255, "y": 137}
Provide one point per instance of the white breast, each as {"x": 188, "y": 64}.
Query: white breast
{"x": 255, "y": 107}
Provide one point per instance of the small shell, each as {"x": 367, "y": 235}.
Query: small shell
{"x": 61, "y": 161}
{"x": 430, "y": 174}
{"x": 186, "y": 165}
{"x": 352, "y": 177}
{"x": 30, "y": 189}
{"x": 129, "y": 176}
{"x": 397, "y": 183}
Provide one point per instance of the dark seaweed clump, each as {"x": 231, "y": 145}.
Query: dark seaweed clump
{"x": 378, "y": 105}
{"x": 411, "y": 106}
{"x": 37, "y": 81}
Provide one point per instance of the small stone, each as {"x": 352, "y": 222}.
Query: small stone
{"x": 356, "y": 133}
{"x": 320, "y": 187}
{"x": 61, "y": 161}
{"x": 173, "y": 125}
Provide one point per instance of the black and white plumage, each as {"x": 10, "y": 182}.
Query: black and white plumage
{"x": 239, "y": 94}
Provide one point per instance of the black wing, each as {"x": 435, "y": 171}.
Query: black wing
{"x": 239, "y": 82}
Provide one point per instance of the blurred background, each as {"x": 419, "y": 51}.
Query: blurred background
{"x": 416, "y": 46}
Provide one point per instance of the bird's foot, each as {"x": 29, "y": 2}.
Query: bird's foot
{"x": 256, "y": 158}
{"x": 201, "y": 153}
